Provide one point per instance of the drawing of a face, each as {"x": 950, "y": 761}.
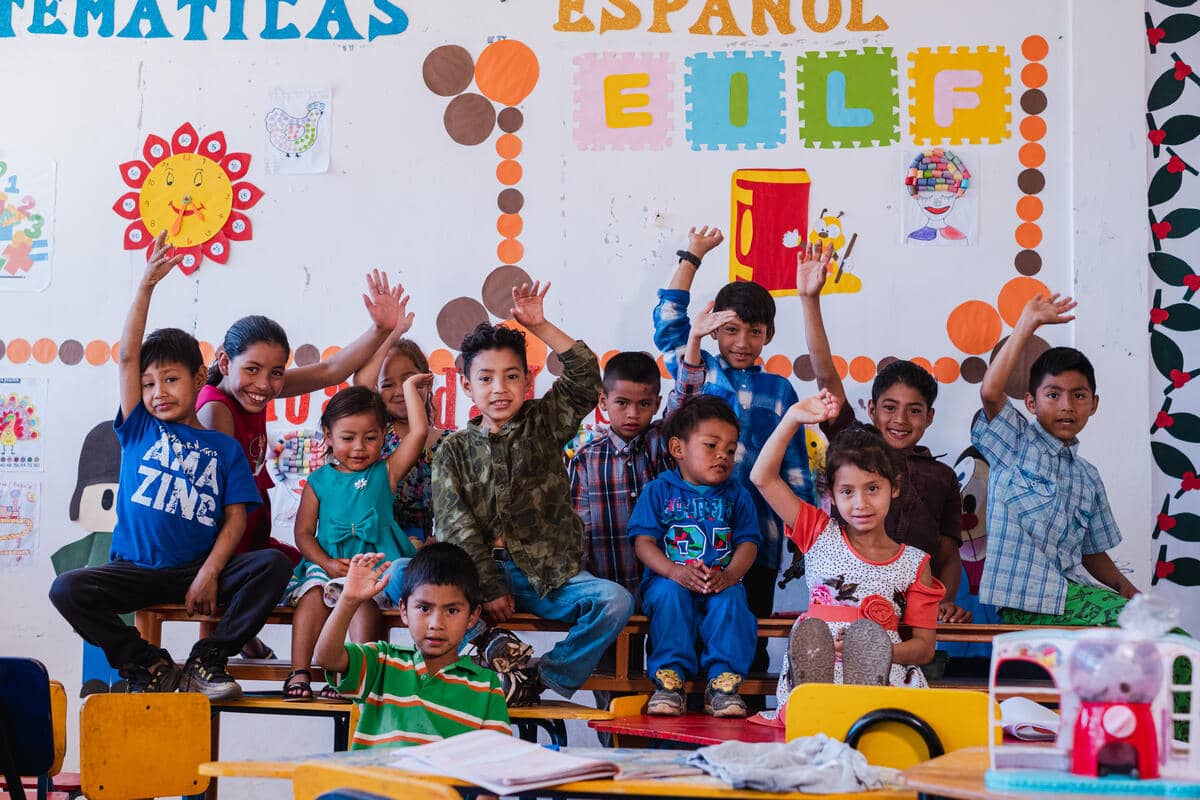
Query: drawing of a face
{"x": 936, "y": 179}
{"x": 936, "y": 206}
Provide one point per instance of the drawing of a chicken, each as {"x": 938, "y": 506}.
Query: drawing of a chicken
{"x": 18, "y": 423}
{"x": 294, "y": 135}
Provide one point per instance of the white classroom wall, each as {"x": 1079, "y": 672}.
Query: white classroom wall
{"x": 602, "y": 225}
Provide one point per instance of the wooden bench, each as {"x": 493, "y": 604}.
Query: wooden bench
{"x": 149, "y": 622}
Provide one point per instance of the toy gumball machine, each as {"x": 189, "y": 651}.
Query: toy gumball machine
{"x": 1116, "y": 681}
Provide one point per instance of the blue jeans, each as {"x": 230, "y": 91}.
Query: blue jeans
{"x": 723, "y": 622}
{"x": 395, "y": 575}
{"x": 595, "y": 609}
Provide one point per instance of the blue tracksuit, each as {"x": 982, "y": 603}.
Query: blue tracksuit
{"x": 696, "y": 524}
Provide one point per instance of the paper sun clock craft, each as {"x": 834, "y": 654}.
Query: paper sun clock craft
{"x": 194, "y": 190}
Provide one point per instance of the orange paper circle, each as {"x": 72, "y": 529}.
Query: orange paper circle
{"x": 508, "y": 173}
{"x": 1029, "y": 208}
{"x": 44, "y": 351}
{"x": 1032, "y": 155}
{"x": 1034, "y": 76}
{"x": 946, "y": 370}
{"x": 330, "y": 352}
{"x": 115, "y": 352}
{"x": 440, "y": 360}
{"x": 604, "y": 359}
{"x": 209, "y": 354}
{"x": 840, "y": 365}
{"x": 508, "y": 146}
{"x": 1015, "y": 294}
{"x": 1033, "y": 128}
{"x": 509, "y": 225}
{"x": 506, "y": 72}
{"x": 862, "y": 369}
{"x": 19, "y": 351}
{"x": 974, "y": 327}
{"x": 923, "y": 363}
{"x": 662, "y": 368}
{"x": 779, "y": 365}
{"x": 96, "y": 352}
{"x": 1029, "y": 236}
{"x": 1034, "y": 48}
{"x": 510, "y": 251}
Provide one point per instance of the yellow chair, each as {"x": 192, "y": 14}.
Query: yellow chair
{"x": 58, "y": 724}
{"x": 633, "y": 705}
{"x": 143, "y": 745}
{"x": 310, "y": 781}
{"x": 959, "y": 718}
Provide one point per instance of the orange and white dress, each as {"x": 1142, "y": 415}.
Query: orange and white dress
{"x": 845, "y": 587}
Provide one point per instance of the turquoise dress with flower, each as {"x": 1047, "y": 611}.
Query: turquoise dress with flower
{"x": 355, "y": 517}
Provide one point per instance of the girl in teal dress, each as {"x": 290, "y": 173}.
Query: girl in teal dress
{"x": 346, "y": 509}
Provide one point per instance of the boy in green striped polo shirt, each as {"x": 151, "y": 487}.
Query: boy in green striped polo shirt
{"x": 425, "y": 692}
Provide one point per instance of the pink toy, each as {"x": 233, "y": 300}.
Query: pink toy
{"x": 1116, "y": 682}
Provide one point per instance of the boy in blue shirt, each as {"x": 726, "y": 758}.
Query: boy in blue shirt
{"x": 696, "y": 532}
{"x": 181, "y": 511}
{"x": 742, "y": 320}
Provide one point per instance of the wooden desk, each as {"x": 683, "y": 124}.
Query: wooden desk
{"x": 692, "y": 786}
{"x": 698, "y": 729}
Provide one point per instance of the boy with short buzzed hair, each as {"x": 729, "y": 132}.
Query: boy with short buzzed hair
{"x": 742, "y": 320}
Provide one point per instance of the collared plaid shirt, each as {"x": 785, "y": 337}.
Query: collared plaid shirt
{"x": 759, "y": 398}
{"x": 1046, "y": 510}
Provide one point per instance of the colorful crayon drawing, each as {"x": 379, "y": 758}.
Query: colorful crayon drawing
{"x": 938, "y": 182}
{"x": 21, "y": 400}
{"x": 26, "y": 208}
{"x": 298, "y": 131}
{"x": 19, "y": 504}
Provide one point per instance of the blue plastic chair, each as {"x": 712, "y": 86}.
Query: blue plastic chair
{"x": 26, "y": 731}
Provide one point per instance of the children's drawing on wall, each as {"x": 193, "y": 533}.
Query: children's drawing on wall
{"x": 20, "y": 501}
{"x": 295, "y": 455}
{"x": 769, "y": 218}
{"x": 831, "y": 228}
{"x": 21, "y": 402}
{"x": 94, "y": 507}
{"x": 193, "y": 189}
{"x": 298, "y": 131}
{"x": 943, "y": 210}
{"x": 26, "y": 217}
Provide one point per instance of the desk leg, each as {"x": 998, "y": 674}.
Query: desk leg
{"x": 556, "y": 729}
{"x": 526, "y": 729}
{"x": 341, "y": 733}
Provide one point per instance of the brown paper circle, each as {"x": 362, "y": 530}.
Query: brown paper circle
{"x": 497, "y": 289}
{"x": 458, "y": 318}
{"x": 973, "y": 369}
{"x": 448, "y": 70}
{"x": 511, "y": 201}
{"x": 802, "y": 368}
{"x": 1033, "y": 102}
{"x": 307, "y": 354}
{"x": 511, "y": 120}
{"x": 1018, "y": 381}
{"x": 1028, "y": 262}
{"x": 70, "y": 352}
{"x": 470, "y": 119}
{"x": 1031, "y": 181}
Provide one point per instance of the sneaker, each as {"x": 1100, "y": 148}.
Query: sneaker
{"x": 499, "y": 650}
{"x": 668, "y": 699}
{"x": 721, "y": 698}
{"x": 522, "y": 686}
{"x": 164, "y": 678}
{"x": 205, "y": 673}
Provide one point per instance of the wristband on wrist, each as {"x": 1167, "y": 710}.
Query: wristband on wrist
{"x": 691, "y": 258}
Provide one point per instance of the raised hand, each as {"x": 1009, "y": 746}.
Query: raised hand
{"x": 387, "y": 307}
{"x": 703, "y": 239}
{"x": 365, "y": 577}
{"x": 419, "y": 381}
{"x": 1052, "y": 310}
{"x": 812, "y": 267}
{"x": 816, "y": 409}
{"x": 527, "y": 303}
{"x": 708, "y": 320}
{"x": 163, "y": 259}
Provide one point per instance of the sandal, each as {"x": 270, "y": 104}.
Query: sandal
{"x": 257, "y": 648}
{"x": 298, "y": 691}
{"x": 331, "y": 695}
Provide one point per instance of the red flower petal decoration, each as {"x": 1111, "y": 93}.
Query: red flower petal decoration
{"x": 238, "y": 227}
{"x": 217, "y": 248}
{"x": 185, "y": 139}
{"x": 192, "y": 256}
{"x": 246, "y": 195}
{"x": 155, "y": 149}
{"x": 127, "y": 206}
{"x": 136, "y": 236}
{"x": 134, "y": 173}
{"x": 236, "y": 164}
{"x": 213, "y": 146}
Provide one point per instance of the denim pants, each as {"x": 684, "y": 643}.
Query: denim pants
{"x": 395, "y": 576}
{"x": 595, "y": 609}
{"x": 678, "y": 616}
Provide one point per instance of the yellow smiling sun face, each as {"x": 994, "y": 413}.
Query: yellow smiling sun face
{"x": 189, "y": 195}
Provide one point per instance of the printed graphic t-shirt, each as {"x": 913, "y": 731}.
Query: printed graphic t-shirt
{"x": 176, "y": 481}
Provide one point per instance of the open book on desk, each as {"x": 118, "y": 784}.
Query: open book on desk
{"x": 506, "y": 765}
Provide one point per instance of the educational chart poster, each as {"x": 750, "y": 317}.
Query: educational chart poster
{"x": 297, "y": 126}
{"x": 26, "y": 218}
{"x": 21, "y": 402}
{"x": 20, "y": 502}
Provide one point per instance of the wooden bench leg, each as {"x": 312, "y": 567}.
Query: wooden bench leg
{"x": 211, "y": 793}
{"x": 556, "y": 729}
{"x": 149, "y": 626}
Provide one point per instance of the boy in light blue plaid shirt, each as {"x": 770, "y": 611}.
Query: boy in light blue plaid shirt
{"x": 1049, "y": 523}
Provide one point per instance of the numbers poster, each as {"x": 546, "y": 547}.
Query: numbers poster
{"x": 26, "y": 218}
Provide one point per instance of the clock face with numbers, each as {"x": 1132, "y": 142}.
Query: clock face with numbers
{"x": 191, "y": 188}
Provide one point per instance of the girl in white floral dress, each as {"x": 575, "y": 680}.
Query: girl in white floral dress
{"x": 863, "y": 585}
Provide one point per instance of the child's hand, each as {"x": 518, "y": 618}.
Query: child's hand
{"x": 419, "y": 381}
{"x": 814, "y": 410}
{"x": 689, "y": 577}
{"x": 365, "y": 577}
{"x": 1050, "y": 310}
{"x": 527, "y": 303}
{"x": 336, "y": 567}
{"x": 202, "y": 594}
{"x": 812, "y": 267}
{"x": 701, "y": 240}
{"x": 162, "y": 260}
{"x": 949, "y": 612}
{"x": 708, "y": 321}
{"x": 717, "y": 580}
{"x": 499, "y": 610}
{"x": 387, "y": 307}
